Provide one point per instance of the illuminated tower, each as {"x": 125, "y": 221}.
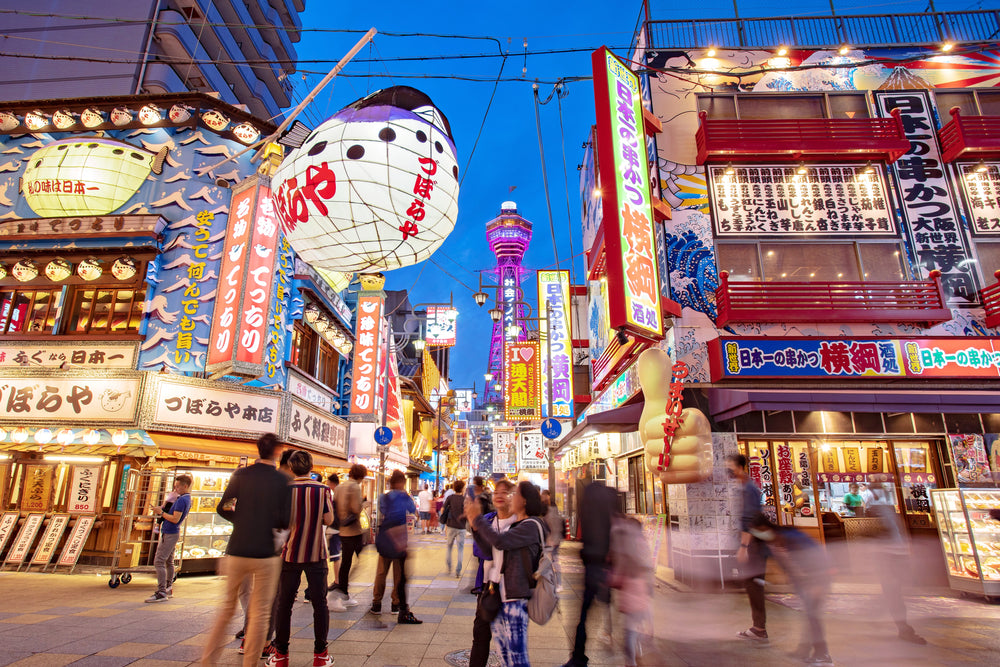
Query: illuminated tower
{"x": 508, "y": 235}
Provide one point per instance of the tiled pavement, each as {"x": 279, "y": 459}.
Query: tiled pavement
{"x": 53, "y": 620}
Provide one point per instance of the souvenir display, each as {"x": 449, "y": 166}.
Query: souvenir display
{"x": 970, "y": 538}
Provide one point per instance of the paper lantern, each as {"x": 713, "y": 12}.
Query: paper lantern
{"x": 8, "y": 121}
{"x": 121, "y": 116}
{"x": 246, "y": 133}
{"x": 25, "y": 270}
{"x": 215, "y": 120}
{"x": 43, "y": 436}
{"x": 375, "y": 187}
{"x": 58, "y": 270}
{"x": 119, "y": 437}
{"x": 3, "y": 434}
{"x": 63, "y": 119}
{"x": 65, "y": 436}
{"x": 19, "y": 435}
{"x": 92, "y": 118}
{"x": 150, "y": 114}
{"x": 3, "y": 271}
{"x": 179, "y": 113}
{"x": 35, "y": 120}
{"x": 91, "y": 437}
{"x": 124, "y": 268}
{"x": 89, "y": 269}
{"x": 86, "y": 176}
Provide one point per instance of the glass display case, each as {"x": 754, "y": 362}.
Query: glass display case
{"x": 970, "y": 538}
{"x": 206, "y": 534}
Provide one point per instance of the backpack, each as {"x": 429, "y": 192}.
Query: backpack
{"x": 543, "y": 600}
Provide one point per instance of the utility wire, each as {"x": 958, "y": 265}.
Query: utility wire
{"x": 482, "y": 125}
{"x": 545, "y": 177}
{"x": 569, "y": 217}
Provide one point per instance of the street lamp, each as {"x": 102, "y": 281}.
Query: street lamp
{"x": 496, "y": 314}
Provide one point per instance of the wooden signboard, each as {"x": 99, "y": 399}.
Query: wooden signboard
{"x": 25, "y": 538}
{"x": 74, "y": 543}
{"x": 875, "y": 461}
{"x": 7, "y": 524}
{"x": 831, "y": 462}
{"x": 50, "y": 540}
{"x": 852, "y": 459}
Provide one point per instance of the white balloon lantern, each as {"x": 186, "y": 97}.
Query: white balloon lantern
{"x": 373, "y": 188}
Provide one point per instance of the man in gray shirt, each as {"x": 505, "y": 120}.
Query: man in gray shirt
{"x": 752, "y": 553}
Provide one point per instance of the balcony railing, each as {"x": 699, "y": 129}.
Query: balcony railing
{"x": 858, "y": 302}
{"x": 790, "y": 140}
{"x": 991, "y": 302}
{"x": 970, "y": 137}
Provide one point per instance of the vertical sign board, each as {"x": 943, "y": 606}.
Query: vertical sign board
{"x": 366, "y": 354}
{"x": 503, "y": 443}
{"x": 932, "y": 220}
{"x": 632, "y": 272}
{"x": 531, "y": 453}
{"x": 522, "y": 385}
{"x": 50, "y": 539}
{"x": 83, "y": 497}
{"x": 36, "y": 494}
{"x": 7, "y": 523}
{"x": 239, "y": 323}
{"x": 22, "y": 543}
{"x": 77, "y": 538}
{"x": 122, "y": 487}
{"x": 441, "y": 325}
{"x": 553, "y": 299}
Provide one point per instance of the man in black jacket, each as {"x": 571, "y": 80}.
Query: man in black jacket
{"x": 258, "y": 503}
{"x": 597, "y": 505}
{"x": 453, "y": 516}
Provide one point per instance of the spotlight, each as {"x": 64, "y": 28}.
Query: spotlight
{"x": 782, "y": 50}
{"x": 621, "y": 336}
{"x": 869, "y": 168}
{"x": 947, "y": 46}
{"x": 981, "y": 167}
{"x": 711, "y": 52}
{"x": 844, "y": 50}
{"x": 730, "y": 170}
{"x": 802, "y": 169}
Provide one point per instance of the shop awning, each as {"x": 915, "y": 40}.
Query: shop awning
{"x": 729, "y": 403}
{"x": 201, "y": 445}
{"x": 618, "y": 420}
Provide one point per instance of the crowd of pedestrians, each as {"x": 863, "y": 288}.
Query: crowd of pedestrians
{"x": 288, "y": 524}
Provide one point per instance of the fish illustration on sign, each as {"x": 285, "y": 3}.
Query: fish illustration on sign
{"x": 86, "y": 175}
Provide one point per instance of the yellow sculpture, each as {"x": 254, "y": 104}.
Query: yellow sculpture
{"x": 677, "y": 440}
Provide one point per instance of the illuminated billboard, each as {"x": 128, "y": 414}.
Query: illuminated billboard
{"x": 557, "y": 353}
{"x": 522, "y": 381}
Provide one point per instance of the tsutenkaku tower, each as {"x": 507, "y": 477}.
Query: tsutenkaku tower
{"x": 508, "y": 235}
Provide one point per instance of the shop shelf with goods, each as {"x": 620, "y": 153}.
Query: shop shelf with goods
{"x": 205, "y": 533}
{"x": 970, "y": 538}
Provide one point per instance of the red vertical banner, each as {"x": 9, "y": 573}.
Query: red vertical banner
{"x": 367, "y": 332}
{"x": 262, "y": 251}
{"x": 232, "y": 276}
{"x": 522, "y": 381}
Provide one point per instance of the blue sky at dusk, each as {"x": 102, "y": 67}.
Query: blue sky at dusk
{"x": 507, "y": 152}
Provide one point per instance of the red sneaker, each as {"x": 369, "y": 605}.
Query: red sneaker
{"x": 277, "y": 660}
{"x": 323, "y": 659}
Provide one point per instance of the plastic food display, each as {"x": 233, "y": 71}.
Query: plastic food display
{"x": 970, "y": 538}
{"x": 206, "y": 534}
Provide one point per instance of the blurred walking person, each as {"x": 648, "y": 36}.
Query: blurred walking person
{"x": 554, "y": 520}
{"x": 511, "y": 574}
{"x": 752, "y": 553}
{"x": 425, "y": 499}
{"x": 347, "y": 499}
{"x": 453, "y": 518}
{"x": 392, "y": 540}
{"x": 632, "y": 576}
{"x": 258, "y": 503}
{"x": 305, "y": 552}
{"x": 892, "y": 557}
{"x": 500, "y": 519}
{"x": 333, "y": 533}
{"x": 479, "y": 493}
{"x": 597, "y": 504}
{"x": 805, "y": 562}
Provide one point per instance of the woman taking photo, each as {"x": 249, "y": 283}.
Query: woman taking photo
{"x": 509, "y": 579}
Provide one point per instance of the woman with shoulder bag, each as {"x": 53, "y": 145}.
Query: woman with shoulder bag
{"x": 508, "y": 583}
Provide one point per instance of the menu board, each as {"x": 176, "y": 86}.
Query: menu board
{"x": 77, "y": 538}
{"x": 7, "y": 524}
{"x": 25, "y": 538}
{"x": 50, "y": 539}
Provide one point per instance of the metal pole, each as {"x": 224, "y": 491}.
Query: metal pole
{"x": 437, "y": 459}
{"x": 380, "y": 480}
{"x": 548, "y": 357}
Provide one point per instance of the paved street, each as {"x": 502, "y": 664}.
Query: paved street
{"x": 53, "y": 620}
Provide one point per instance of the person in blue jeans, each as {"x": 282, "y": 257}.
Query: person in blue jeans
{"x": 170, "y": 532}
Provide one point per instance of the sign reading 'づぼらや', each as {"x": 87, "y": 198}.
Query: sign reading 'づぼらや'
{"x": 933, "y": 222}
{"x": 82, "y": 400}
{"x": 632, "y": 272}
{"x": 778, "y": 201}
{"x": 557, "y": 354}
{"x": 195, "y": 406}
{"x": 855, "y": 358}
{"x": 522, "y": 381}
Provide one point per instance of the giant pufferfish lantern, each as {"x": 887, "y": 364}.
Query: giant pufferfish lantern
{"x": 374, "y": 188}
{"x": 677, "y": 440}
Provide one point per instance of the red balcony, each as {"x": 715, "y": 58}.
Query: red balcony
{"x": 991, "y": 302}
{"x": 970, "y": 137}
{"x": 858, "y": 302}
{"x": 791, "y": 140}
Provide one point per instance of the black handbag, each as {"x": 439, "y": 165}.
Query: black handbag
{"x": 489, "y": 602}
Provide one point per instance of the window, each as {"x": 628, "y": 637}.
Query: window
{"x": 304, "y": 348}
{"x": 989, "y": 259}
{"x": 28, "y": 311}
{"x": 782, "y": 105}
{"x": 804, "y": 262}
{"x": 971, "y": 103}
{"x": 329, "y": 361}
{"x": 106, "y": 310}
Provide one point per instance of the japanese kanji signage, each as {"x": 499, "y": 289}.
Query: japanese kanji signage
{"x": 786, "y": 475}
{"x": 77, "y": 539}
{"x": 82, "y": 400}
{"x": 932, "y": 220}
{"x": 90, "y": 225}
{"x": 531, "y": 454}
{"x": 554, "y": 302}
{"x": 316, "y": 429}
{"x": 81, "y": 354}
{"x": 367, "y": 352}
{"x": 50, "y": 539}
{"x": 188, "y": 405}
{"x": 829, "y": 200}
{"x": 441, "y": 325}
{"x": 25, "y": 538}
{"x": 308, "y": 390}
{"x": 522, "y": 381}
{"x": 83, "y": 489}
{"x": 504, "y": 460}
{"x": 632, "y": 273}
{"x": 8, "y": 521}
{"x": 36, "y": 494}
{"x": 982, "y": 193}
{"x": 858, "y": 358}
{"x": 240, "y": 321}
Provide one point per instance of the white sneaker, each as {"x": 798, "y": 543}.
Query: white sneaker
{"x": 336, "y": 603}
{"x": 351, "y": 602}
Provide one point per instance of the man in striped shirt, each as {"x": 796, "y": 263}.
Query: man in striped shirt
{"x": 305, "y": 551}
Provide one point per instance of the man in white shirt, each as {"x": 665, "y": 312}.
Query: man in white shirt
{"x": 492, "y": 571}
{"x": 424, "y": 499}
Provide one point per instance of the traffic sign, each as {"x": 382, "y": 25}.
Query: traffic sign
{"x": 383, "y": 435}
{"x": 551, "y": 428}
